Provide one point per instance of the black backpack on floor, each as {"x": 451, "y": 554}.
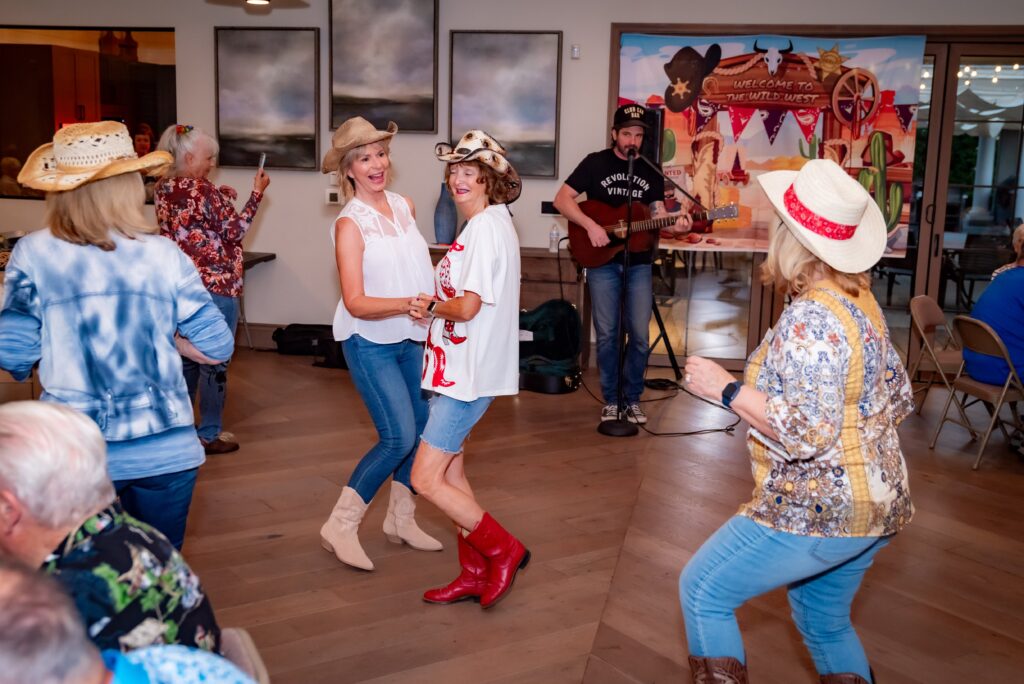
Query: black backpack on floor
{"x": 549, "y": 361}
{"x": 310, "y": 339}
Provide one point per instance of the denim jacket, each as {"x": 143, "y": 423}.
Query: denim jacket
{"x": 101, "y": 325}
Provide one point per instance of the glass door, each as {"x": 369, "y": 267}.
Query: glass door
{"x": 980, "y": 200}
{"x": 901, "y": 274}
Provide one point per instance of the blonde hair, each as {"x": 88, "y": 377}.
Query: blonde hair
{"x": 87, "y": 214}
{"x": 792, "y": 269}
{"x": 1018, "y": 241}
{"x": 346, "y": 184}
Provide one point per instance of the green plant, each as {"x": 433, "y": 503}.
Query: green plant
{"x": 813, "y": 148}
{"x": 889, "y": 198}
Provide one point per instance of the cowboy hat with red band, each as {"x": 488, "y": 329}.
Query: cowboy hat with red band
{"x": 830, "y": 213}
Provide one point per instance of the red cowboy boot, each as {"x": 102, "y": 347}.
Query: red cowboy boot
{"x": 439, "y": 363}
{"x": 449, "y": 333}
{"x": 717, "y": 671}
{"x": 470, "y": 583}
{"x": 505, "y": 555}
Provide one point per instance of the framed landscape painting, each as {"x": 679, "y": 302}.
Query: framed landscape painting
{"x": 508, "y": 84}
{"x": 267, "y": 94}
{"x": 384, "y": 62}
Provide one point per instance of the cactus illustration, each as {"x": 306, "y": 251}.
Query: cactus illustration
{"x": 812, "y": 148}
{"x": 889, "y": 198}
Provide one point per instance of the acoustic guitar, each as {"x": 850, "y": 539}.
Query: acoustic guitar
{"x": 643, "y": 236}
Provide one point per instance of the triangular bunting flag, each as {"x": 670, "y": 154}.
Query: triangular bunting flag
{"x": 740, "y": 117}
{"x": 905, "y": 113}
{"x": 772, "y": 120}
{"x": 807, "y": 119}
{"x": 705, "y": 111}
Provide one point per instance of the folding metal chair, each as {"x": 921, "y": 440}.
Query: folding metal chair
{"x": 980, "y": 338}
{"x": 943, "y": 361}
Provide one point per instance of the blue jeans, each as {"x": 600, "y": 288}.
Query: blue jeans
{"x": 387, "y": 377}
{"x": 605, "y": 293}
{"x": 211, "y": 381}
{"x": 744, "y": 559}
{"x": 161, "y": 501}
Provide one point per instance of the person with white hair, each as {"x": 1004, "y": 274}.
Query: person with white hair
{"x": 201, "y": 218}
{"x": 58, "y": 512}
{"x": 43, "y": 641}
{"x": 98, "y": 300}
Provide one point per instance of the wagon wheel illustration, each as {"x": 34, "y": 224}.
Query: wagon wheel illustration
{"x": 855, "y": 99}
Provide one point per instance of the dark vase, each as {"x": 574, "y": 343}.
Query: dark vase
{"x": 446, "y": 218}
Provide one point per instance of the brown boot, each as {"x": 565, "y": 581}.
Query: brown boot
{"x": 843, "y": 678}
{"x": 717, "y": 671}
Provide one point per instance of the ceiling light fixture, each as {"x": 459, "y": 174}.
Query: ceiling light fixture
{"x": 998, "y": 69}
{"x": 257, "y": 2}
{"x": 967, "y": 82}
{"x": 995, "y": 79}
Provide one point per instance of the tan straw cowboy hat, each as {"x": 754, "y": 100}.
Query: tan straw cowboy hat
{"x": 85, "y": 152}
{"x": 830, "y": 213}
{"x": 355, "y": 132}
{"x": 476, "y": 145}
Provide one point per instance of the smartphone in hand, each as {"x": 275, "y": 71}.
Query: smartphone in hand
{"x": 263, "y": 160}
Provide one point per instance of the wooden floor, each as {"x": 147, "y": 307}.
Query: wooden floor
{"x": 610, "y": 523}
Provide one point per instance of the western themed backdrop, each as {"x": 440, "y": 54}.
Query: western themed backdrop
{"x": 737, "y": 106}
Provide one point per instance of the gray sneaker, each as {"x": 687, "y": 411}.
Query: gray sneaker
{"x": 609, "y": 412}
{"x": 635, "y": 414}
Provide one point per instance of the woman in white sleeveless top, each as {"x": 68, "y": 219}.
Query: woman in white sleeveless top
{"x": 383, "y": 263}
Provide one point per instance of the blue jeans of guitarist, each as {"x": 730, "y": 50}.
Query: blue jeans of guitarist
{"x": 605, "y": 296}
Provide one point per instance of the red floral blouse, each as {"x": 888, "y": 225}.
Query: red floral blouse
{"x": 202, "y": 220}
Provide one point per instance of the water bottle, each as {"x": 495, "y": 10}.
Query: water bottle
{"x": 553, "y": 238}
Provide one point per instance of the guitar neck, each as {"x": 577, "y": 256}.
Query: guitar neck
{"x": 659, "y": 223}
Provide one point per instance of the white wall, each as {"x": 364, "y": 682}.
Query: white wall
{"x": 301, "y": 285}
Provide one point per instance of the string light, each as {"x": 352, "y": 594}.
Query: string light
{"x": 967, "y": 82}
{"x": 922, "y": 86}
{"x": 974, "y": 73}
{"x": 960, "y": 74}
{"x": 995, "y": 79}
{"x": 1016, "y": 66}
{"x": 998, "y": 69}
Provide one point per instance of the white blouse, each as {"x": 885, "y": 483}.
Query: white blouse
{"x": 396, "y": 263}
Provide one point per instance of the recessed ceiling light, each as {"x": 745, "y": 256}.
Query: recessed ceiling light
{"x": 257, "y": 2}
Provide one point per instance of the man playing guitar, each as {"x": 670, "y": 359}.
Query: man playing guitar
{"x": 602, "y": 176}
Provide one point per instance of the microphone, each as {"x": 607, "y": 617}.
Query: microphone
{"x": 631, "y": 153}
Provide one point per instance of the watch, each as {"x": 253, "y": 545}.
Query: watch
{"x": 730, "y": 392}
{"x": 431, "y": 306}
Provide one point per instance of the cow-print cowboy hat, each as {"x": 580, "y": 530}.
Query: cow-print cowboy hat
{"x": 476, "y": 145}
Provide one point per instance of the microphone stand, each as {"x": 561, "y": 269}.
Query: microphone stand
{"x": 621, "y": 427}
{"x": 674, "y": 184}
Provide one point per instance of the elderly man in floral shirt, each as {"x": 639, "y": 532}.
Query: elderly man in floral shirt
{"x": 58, "y": 512}
{"x": 201, "y": 218}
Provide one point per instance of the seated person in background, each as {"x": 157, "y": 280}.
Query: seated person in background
{"x": 58, "y": 512}
{"x": 9, "y": 169}
{"x": 1018, "y": 246}
{"x": 43, "y": 641}
{"x": 1001, "y": 305}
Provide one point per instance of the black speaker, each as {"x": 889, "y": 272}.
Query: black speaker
{"x": 651, "y": 147}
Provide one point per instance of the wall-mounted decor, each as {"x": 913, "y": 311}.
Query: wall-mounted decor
{"x": 737, "y": 106}
{"x": 267, "y": 96}
{"x": 71, "y": 75}
{"x": 384, "y": 62}
{"x": 508, "y": 83}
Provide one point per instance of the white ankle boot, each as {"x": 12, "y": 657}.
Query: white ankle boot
{"x": 339, "y": 534}
{"x": 399, "y": 524}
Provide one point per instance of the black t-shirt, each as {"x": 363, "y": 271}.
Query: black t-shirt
{"x": 602, "y": 176}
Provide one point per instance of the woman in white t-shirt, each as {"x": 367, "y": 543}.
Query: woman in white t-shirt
{"x": 383, "y": 263}
{"x": 471, "y": 357}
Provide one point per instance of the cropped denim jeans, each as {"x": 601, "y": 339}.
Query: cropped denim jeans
{"x": 605, "y": 294}
{"x": 387, "y": 377}
{"x": 744, "y": 559}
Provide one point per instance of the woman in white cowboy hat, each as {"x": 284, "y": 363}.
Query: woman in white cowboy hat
{"x": 383, "y": 263}
{"x": 823, "y": 393}
{"x": 472, "y": 356}
{"x": 96, "y": 298}
{"x": 202, "y": 219}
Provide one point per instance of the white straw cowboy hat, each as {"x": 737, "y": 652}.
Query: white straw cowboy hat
{"x": 830, "y": 213}
{"x": 353, "y": 133}
{"x": 85, "y": 152}
{"x": 476, "y": 145}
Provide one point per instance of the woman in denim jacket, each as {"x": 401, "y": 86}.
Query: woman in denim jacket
{"x": 98, "y": 300}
